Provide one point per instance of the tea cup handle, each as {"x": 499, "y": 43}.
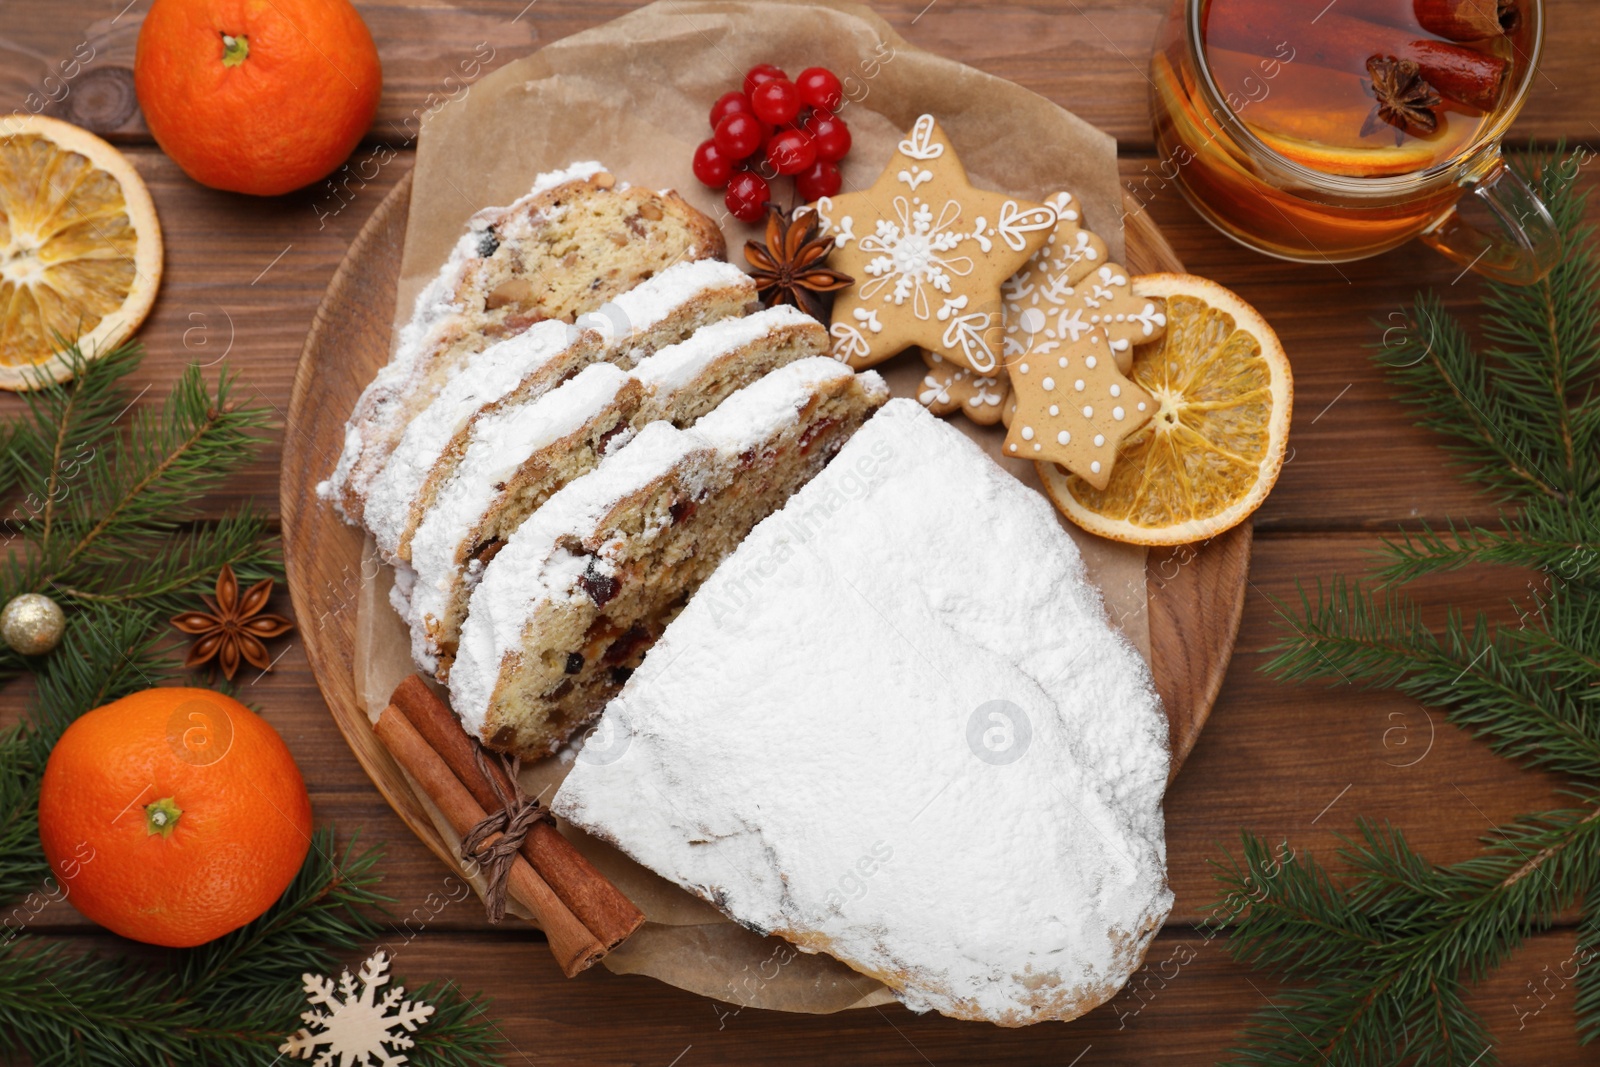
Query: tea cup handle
{"x": 1528, "y": 243}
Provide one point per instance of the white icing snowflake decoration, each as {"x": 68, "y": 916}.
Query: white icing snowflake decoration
{"x": 357, "y": 1028}
{"x": 913, "y": 254}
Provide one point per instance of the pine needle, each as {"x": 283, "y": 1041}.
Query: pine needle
{"x": 106, "y": 521}
{"x": 1376, "y": 962}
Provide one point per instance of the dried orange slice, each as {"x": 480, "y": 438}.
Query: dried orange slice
{"x": 80, "y": 248}
{"x": 1214, "y": 448}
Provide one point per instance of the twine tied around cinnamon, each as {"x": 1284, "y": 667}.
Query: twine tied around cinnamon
{"x": 517, "y": 816}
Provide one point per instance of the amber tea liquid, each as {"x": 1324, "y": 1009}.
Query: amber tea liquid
{"x": 1273, "y": 135}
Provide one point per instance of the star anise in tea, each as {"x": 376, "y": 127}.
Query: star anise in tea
{"x": 790, "y": 268}
{"x": 234, "y": 628}
{"x": 1405, "y": 100}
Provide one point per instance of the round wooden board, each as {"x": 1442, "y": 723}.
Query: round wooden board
{"x": 1196, "y": 592}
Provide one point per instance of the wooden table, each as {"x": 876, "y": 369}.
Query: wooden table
{"x": 244, "y": 276}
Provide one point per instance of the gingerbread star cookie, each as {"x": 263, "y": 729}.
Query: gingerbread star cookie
{"x": 948, "y": 388}
{"x": 1071, "y": 324}
{"x": 1060, "y": 298}
{"x": 1073, "y": 407}
{"x": 1069, "y": 253}
{"x": 929, "y": 253}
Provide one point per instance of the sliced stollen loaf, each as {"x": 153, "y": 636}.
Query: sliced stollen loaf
{"x": 657, "y": 313}
{"x": 580, "y": 591}
{"x": 512, "y": 464}
{"x": 508, "y": 374}
{"x": 896, "y": 727}
{"x": 516, "y": 458}
{"x": 576, "y": 240}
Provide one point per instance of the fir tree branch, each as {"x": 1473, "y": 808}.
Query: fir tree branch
{"x": 1520, "y": 417}
{"x": 1586, "y": 957}
{"x": 1485, "y": 680}
{"x": 168, "y": 459}
{"x": 230, "y": 1002}
{"x": 66, "y": 427}
{"x": 1546, "y": 337}
{"x": 1560, "y": 538}
{"x": 1444, "y": 375}
{"x": 188, "y": 567}
{"x": 1376, "y": 961}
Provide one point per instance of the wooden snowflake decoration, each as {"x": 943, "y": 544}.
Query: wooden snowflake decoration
{"x": 357, "y": 1028}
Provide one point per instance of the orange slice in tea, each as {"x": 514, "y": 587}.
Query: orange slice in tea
{"x": 1377, "y": 161}
{"x": 1212, "y": 452}
{"x": 80, "y": 248}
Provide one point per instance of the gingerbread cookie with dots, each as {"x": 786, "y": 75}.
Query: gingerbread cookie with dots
{"x": 929, "y": 253}
{"x": 1074, "y": 407}
{"x": 1071, "y": 323}
{"x": 948, "y": 388}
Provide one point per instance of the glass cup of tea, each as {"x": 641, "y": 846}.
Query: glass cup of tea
{"x": 1328, "y": 134}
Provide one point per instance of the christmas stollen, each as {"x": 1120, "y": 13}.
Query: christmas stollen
{"x": 881, "y": 679}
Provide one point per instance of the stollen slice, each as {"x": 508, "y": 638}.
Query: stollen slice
{"x": 577, "y": 239}
{"x": 517, "y": 457}
{"x": 657, "y": 313}
{"x": 571, "y": 603}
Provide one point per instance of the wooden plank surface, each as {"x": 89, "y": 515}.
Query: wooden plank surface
{"x": 244, "y": 277}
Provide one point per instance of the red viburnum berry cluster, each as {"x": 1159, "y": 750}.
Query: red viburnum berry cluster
{"x": 775, "y": 126}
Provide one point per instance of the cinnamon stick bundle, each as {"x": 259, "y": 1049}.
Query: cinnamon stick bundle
{"x": 598, "y": 904}
{"x": 572, "y": 944}
{"x": 1341, "y": 42}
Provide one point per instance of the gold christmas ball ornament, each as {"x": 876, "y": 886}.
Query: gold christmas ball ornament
{"x": 32, "y": 624}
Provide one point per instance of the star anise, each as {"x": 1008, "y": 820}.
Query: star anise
{"x": 1405, "y": 99}
{"x": 790, "y": 267}
{"x": 235, "y": 627}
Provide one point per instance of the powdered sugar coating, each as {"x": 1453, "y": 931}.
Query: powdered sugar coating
{"x": 534, "y": 563}
{"x": 676, "y": 366}
{"x": 652, "y": 300}
{"x": 430, "y": 316}
{"x": 572, "y": 172}
{"x": 501, "y": 442}
{"x": 748, "y": 418}
{"x": 895, "y": 726}
{"x": 495, "y": 373}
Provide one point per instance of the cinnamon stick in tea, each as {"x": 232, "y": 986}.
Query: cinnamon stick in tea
{"x": 1468, "y": 20}
{"x": 1454, "y": 20}
{"x": 598, "y": 904}
{"x": 573, "y": 946}
{"x": 1340, "y": 42}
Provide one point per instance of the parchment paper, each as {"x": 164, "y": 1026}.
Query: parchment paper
{"x": 634, "y": 95}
